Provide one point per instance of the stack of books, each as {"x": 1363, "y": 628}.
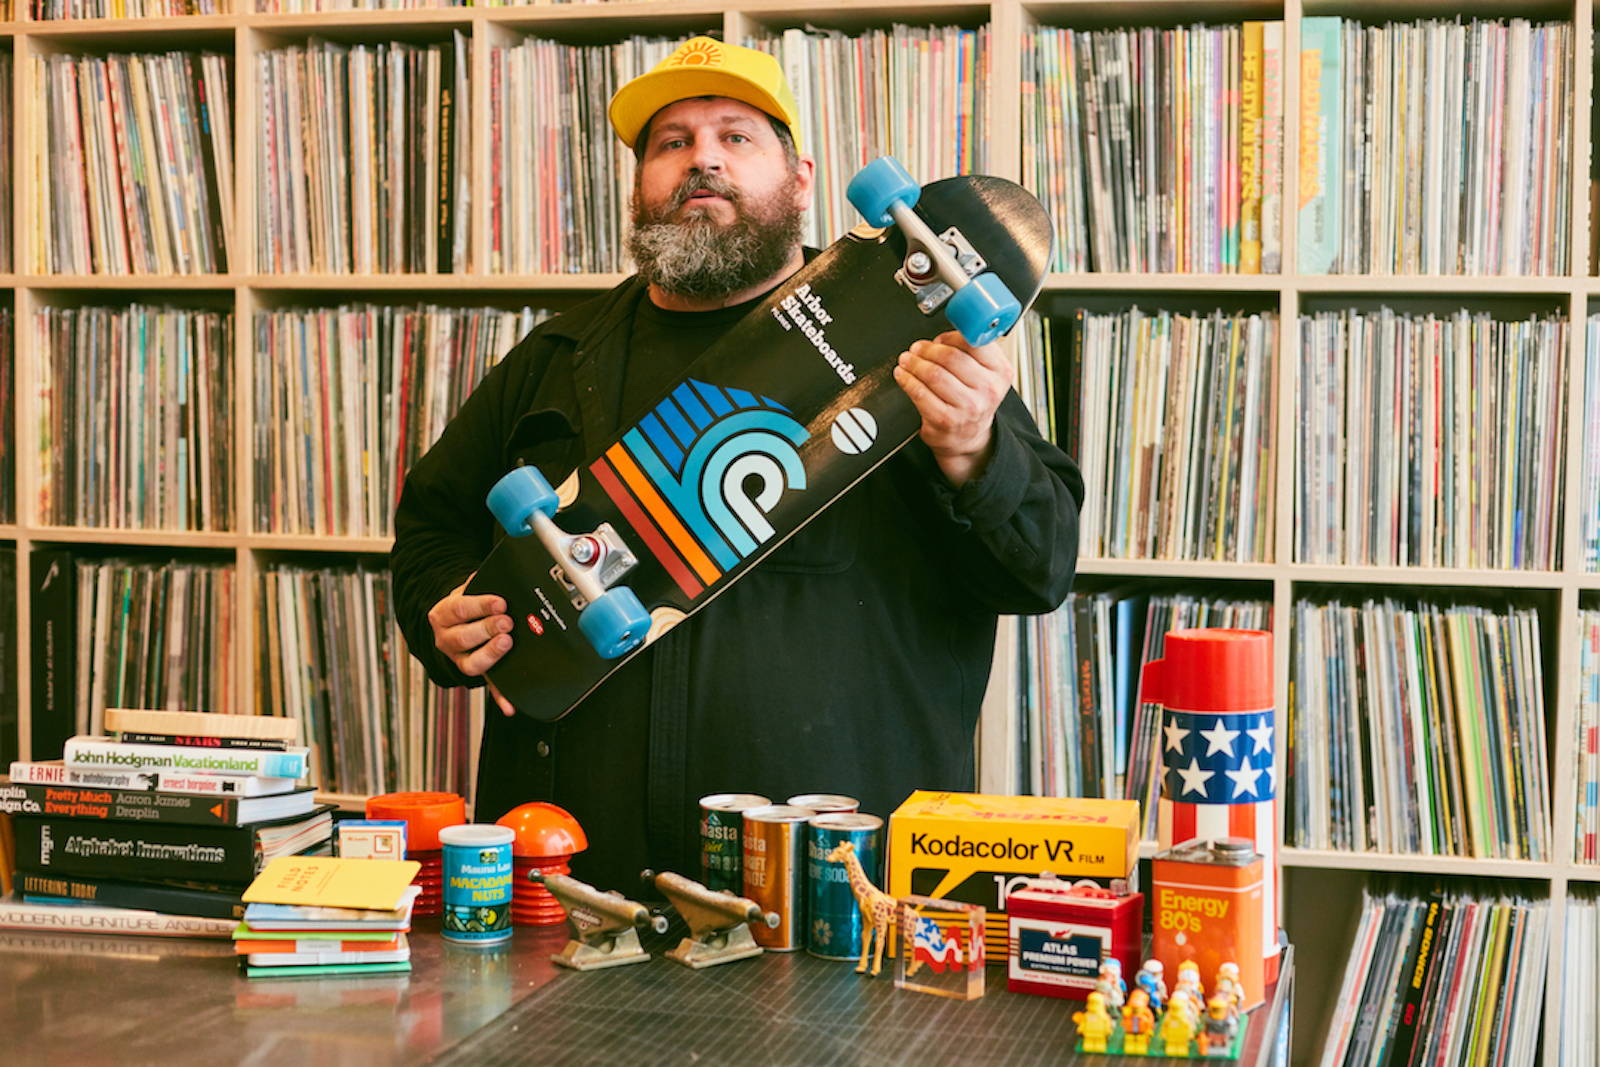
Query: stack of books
{"x": 325, "y": 916}
{"x": 174, "y": 815}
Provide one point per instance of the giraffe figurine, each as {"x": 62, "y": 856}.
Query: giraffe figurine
{"x": 877, "y": 907}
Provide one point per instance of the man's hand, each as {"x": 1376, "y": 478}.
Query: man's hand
{"x": 474, "y": 631}
{"x": 957, "y": 388}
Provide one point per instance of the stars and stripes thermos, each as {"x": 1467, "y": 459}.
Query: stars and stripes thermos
{"x": 1218, "y": 742}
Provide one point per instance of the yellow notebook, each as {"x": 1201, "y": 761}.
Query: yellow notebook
{"x": 332, "y": 882}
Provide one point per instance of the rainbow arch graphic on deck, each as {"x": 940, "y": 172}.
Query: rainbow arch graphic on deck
{"x": 681, "y": 477}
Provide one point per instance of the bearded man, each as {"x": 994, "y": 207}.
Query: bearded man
{"x": 854, "y": 658}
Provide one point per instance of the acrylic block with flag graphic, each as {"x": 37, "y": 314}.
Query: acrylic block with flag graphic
{"x": 941, "y": 947}
{"x": 1218, "y": 750}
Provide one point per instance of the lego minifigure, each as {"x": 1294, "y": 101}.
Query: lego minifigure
{"x": 1182, "y": 1000}
{"x": 1114, "y": 965}
{"x": 1228, "y": 991}
{"x": 1151, "y": 980}
{"x": 1228, "y": 978}
{"x": 1112, "y": 985}
{"x": 1138, "y": 1023}
{"x": 1218, "y": 1029}
{"x": 1189, "y": 979}
{"x": 1177, "y": 1026}
{"x": 1094, "y": 1024}
{"x": 1108, "y": 991}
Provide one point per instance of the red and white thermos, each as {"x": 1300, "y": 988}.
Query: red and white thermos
{"x": 1218, "y": 748}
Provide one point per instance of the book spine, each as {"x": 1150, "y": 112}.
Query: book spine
{"x": 1321, "y": 156}
{"x": 321, "y": 969}
{"x": 1418, "y": 963}
{"x": 222, "y": 785}
{"x": 140, "y": 896}
{"x": 25, "y": 916}
{"x": 54, "y": 609}
{"x": 198, "y": 724}
{"x": 447, "y": 161}
{"x": 215, "y": 855}
{"x": 1272, "y": 148}
{"x": 48, "y": 773}
{"x": 212, "y": 189}
{"x": 128, "y": 805}
{"x": 97, "y": 754}
{"x": 27, "y": 772}
{"x": 1250, "y": 112}
{"x": 261, "y": 744}
{"x": 9, "y": 725}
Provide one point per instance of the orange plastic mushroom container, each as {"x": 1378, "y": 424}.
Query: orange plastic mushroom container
{"x": 547, "y": 837}
{"x": 424, "y": 814}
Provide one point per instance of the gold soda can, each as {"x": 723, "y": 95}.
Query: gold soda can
{"x": 774, "y": 865}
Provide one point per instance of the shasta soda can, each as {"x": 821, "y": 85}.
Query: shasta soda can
{"x": 721, "y": 819}
{"x": 477, "y": 870}
{"x": 774, "y": 862}
{"x": 834, "y": 924}
{"x": 825, "y": 803}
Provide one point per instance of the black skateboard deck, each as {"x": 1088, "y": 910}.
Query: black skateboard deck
{"x": 792, "y": 407}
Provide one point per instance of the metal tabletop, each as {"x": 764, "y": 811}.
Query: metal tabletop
{"x": 88, "y": 999}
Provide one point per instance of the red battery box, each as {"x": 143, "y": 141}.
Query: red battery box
{"x": 1206, "y": 903}
{"x": 1060, "y": 933}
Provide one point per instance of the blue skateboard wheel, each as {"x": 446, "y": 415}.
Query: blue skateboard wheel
{"x": 876, "y": 187}
{"x": 615, "y": 624}
{"x": 517, "y": 496}
{"x": 983, "y": 309}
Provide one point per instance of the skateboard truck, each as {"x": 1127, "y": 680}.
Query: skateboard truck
{"x": 587, "y": 564}
{"x": 931, "y": 260}
{"x": 939, "y": 269}
{"x": 719, "y": 922}
{"x": 602, "y": 554}
{"x": 605, "y": 925}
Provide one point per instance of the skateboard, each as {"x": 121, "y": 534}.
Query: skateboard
{"x": 792, "y": 407}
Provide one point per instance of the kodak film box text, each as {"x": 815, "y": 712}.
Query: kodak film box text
{"x": 976, "y": 848}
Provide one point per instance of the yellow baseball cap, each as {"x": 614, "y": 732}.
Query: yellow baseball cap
{"x": 704, "y": 66}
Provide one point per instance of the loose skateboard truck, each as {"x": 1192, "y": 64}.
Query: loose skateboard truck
{"x": 719, "y": 922}
{"x": 613, "y": 619}
{"x": 939, "y": 268}
{"x": 605, "y": 926}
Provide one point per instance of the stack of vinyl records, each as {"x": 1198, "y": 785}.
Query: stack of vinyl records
{"x": 320, "y": 916}
{"x": 174, "y": 816}
{"x": 1442, "y": 974}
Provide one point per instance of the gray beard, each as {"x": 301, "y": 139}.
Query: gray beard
{"x": 700, "y": 258}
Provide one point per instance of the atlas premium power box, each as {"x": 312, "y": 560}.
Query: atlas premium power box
{"x": 977, "y": 849}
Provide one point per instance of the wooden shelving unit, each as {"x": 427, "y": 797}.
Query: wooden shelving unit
{"x": 246, "y": 33}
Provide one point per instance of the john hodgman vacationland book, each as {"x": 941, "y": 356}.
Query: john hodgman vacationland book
{"x": 102, "y": 753}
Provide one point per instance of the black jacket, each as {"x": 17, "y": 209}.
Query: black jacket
{"x": 852, "y": 660}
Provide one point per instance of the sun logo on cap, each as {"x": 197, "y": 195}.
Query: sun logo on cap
{"x": 700, "y": 53}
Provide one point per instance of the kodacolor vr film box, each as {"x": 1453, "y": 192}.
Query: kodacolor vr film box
{"x": 977, "y": 849}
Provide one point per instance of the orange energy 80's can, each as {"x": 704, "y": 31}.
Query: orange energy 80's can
{"x": 774, "y": 866}
{"x": 1205, "y": 900}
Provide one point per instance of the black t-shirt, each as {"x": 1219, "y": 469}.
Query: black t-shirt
{"x": 661, "y": 345}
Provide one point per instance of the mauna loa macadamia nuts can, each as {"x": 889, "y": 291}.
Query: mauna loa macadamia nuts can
{"x": 477, "y": 883}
